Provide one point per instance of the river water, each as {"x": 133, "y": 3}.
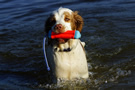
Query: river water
{"x": 109, "y": 33}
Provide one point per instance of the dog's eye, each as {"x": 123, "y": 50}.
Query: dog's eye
{"x": 67, "y": 19}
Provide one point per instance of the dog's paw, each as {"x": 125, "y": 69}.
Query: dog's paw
{"x": 83, "y": 44}
{"x": 64, "y": 47}
{"x": 72, "y": 43}
{"x": 68, "y": 46}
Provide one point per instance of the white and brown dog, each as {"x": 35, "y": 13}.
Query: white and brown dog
{"x": 66, "y": 57}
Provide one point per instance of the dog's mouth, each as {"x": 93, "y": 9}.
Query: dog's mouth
{"x": 61, "y": 40}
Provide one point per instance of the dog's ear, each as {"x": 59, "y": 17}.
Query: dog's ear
{"x": 49, "y": 23}
{"x": 78, "y": 21}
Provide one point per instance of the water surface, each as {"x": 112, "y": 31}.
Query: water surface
{"x": 109, "y": 33}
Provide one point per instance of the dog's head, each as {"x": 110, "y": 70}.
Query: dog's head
{"x": 62, "y": 20}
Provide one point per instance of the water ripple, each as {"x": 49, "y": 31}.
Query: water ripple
{"x": 108, "y": 32}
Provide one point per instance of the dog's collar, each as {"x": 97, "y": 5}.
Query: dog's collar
{"x": 64, "y": 50}
{"x": 67, "y": 50}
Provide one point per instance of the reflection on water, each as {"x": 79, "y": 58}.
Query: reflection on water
{"x": 108, "y": 32}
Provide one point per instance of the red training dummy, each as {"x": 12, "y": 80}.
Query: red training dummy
{"x": 74, "y": 34}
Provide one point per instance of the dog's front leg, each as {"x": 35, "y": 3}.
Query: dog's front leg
{"x": 72, "y": 43}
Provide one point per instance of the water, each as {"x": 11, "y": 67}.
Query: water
{"x": 109, "y": 33}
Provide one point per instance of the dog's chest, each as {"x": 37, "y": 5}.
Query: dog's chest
{"x": 68, "y": 64}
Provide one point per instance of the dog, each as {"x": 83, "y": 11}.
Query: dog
{"x": 66, "y": 57}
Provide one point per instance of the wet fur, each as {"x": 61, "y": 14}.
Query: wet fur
{"x": 66, "y": 64}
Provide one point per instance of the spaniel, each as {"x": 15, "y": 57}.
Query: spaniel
{"x": 66, "y": 57}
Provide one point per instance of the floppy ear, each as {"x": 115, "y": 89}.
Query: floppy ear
{"x": 78, "y": 21}
{"x": 49, "y": 23}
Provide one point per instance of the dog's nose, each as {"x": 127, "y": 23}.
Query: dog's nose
{"x": 59, "y": 28}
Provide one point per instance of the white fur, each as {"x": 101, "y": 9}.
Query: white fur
{"x": 68, "y": 65}
{"x": 59, "y": 17}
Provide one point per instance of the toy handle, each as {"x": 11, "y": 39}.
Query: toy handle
{"x": 77, "y": 34}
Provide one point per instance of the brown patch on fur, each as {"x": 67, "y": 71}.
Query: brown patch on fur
{"x": 77, "y": 22}
{"x": 67, "y": 17}
{"x": 49, "y": 23}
